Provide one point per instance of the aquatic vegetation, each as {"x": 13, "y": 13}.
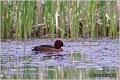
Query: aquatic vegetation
{"x": 63, "y": 19}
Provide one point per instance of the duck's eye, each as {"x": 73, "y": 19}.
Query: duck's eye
{"x": 61, "y": 43}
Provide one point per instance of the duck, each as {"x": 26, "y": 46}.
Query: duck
{"x": 49, "y": 48}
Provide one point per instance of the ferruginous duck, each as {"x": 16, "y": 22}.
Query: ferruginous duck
{"x": 49, "y": 48}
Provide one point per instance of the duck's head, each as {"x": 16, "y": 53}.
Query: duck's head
{"x": 58, "y": 44}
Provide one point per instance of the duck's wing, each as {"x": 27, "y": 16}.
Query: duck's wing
{"x": 49, "y": 46}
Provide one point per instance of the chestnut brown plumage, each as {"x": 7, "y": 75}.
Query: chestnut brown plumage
{"x": 49, "y": 48}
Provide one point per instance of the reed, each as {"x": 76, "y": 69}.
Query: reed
{"x": 5, "y": 10}
{"x": 116, "y": 20}
{"x": 118, "y": 5}
{"x": 102, "y": 5}
{"x": 0, "y": 20}
{"x": 62, "y": 6}
{"x": 77, "y": 16}
{"x": 92, "y": 18}
{"x": 111, "y": 33}
{"x": 29, "y": 19}
{"x": 86, "y": 19}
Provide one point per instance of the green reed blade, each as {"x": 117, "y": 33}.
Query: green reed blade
{"x": 112, "y": 32}
{"x": 92, "y": 18}
{"x": 77, "y": 16}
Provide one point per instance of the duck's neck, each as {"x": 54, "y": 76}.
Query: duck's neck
{"x": 57, "y": 46}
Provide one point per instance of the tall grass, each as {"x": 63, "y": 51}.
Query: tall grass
{"x": 103, "y": 17}
{"x": 118, "y": 5}
{"x": 92, "y": 18}
{"x": 0, "y": 22}
{"x": 29, "y": 19}
{"x": 112, "y": 30}
{"x": 62, "y": 7}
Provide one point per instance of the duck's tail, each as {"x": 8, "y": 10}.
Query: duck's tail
{"x": 33, "y": 49}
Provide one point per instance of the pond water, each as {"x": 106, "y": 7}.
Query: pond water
{"x": 80, "y": 59}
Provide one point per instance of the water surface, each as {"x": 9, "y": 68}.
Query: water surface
{"x": 81, "y": 59}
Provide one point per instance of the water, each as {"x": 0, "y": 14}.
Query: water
{"x": 81, "y": 59}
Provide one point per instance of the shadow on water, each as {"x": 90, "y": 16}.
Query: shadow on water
{"x": 80, "y": 60}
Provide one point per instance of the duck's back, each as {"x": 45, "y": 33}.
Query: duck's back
{"x": 46, "y": 48}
